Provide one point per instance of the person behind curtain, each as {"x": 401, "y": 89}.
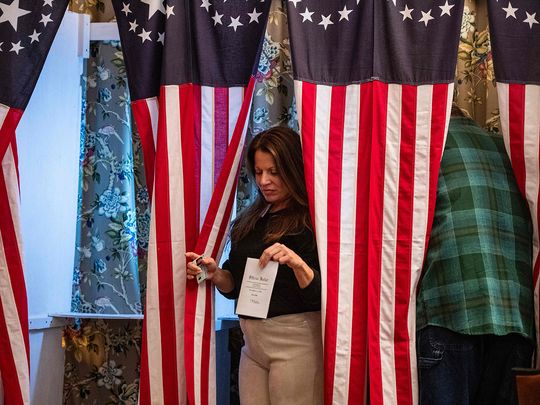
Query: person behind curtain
{"x": 281, "y": 361}
{"x": 475, "y": 302}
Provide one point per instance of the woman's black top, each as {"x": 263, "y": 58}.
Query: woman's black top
{"x": 287, "y": 296}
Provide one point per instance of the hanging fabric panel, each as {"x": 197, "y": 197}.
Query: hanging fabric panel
{"x": 373, "y": 84}
{"x": 27, "y": 32}
{"x": 14, "y": 338}
{"x": 515, "y": 39}
{"x": 191, "y": 98}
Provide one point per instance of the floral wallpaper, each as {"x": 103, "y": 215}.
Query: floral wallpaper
{"x": 102, "y": 362}
{"x": 475, "y": 78}
{"x": 99, "y": 10}
{"x": 102, "y": 357}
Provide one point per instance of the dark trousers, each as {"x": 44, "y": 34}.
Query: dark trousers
{"x": 458, "y": 369}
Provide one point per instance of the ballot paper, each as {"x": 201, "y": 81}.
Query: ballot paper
{"x": 256, "y": 289}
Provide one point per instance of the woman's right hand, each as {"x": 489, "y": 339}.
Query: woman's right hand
{"x": 193, "y": 269}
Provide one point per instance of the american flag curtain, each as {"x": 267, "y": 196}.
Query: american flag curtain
{"x": 27, "y": 29}
{"x": 189, "y": 70}
{"x": 373, "y": 85}
{"x": 515, "y": 40}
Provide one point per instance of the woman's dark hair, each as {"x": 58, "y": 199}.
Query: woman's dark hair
{"x": 285, "y": 147}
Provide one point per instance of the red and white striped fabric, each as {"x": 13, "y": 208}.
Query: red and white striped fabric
{"x": 372, "y": 154}
{"x": 201, "y": 133}
{"x": 145, "y": 113}
{"x": 195, "y": 73}
{"x": 19, "y": 72}
{"x": 9, "y": 119}
{"x": 14, "y": 353}
{"x": 519, "y": 106}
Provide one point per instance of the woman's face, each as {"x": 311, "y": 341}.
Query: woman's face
{"x": 269, "y": 181}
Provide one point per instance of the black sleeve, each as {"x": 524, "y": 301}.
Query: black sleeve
{"x": 307, "y": 250}
{"x": 233, "y": 294}
{"x": 311, "y": 295}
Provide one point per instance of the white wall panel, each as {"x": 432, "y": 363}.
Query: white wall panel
{"x": 48, "y": 140}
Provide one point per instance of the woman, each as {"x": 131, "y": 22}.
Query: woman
{"x": 281, "y": 361}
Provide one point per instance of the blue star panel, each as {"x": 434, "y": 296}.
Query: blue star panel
{"x": 27, "y": 29}
{"x": 353, "y": 41}
{"x": 206, "y": 42}
{"x": 515, "y": 40}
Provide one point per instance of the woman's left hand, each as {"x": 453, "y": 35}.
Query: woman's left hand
{"x": 280, "y": 253}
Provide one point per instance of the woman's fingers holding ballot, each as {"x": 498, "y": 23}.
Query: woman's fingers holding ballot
{"x": 278, "y": 252}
